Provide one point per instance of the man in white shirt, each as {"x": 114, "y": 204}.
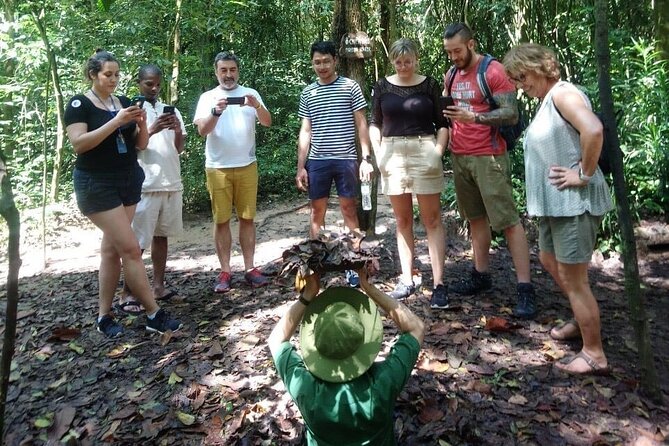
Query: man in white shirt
{"x": 227, "y": 116}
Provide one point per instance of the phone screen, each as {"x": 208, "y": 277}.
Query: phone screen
{"x": 168, "y": 109}
{"x": 138, "y": 101}
{"x": 236, "y": 100}
{"x": 446, "y": 101}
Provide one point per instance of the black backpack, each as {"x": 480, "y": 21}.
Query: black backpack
{"x": 604, "y": 161}
{"x": 510, "y": 133}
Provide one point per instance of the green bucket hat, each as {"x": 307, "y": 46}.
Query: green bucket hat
{"x": 341, "y": 334}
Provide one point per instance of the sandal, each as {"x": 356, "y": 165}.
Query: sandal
{"x": 595, "y": 369}
{"x": 131, "y": 307}
{"x": 167, "y": 296}
{"x": 574, "y": 335}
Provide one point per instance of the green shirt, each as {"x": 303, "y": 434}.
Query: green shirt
{"x": 358, "y": 412}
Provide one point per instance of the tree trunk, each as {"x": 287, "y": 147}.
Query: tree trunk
{"x": 662, "y": 26}
{"x": 38, "y": 18}
{"x": 8, "y": 110}
{"x": 649, "y": 380}
{"x": 173, "y": 93}
{"x": 348, "y": 18}
{"x": 11, "y": 215}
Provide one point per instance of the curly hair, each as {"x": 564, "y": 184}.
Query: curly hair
{"x": 534, "y": 58}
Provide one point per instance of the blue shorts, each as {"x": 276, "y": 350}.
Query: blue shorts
{"x": 322, "y": 172}
{"x": 102, "y": 191}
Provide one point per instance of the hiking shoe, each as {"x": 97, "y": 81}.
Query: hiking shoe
{"x": 222, "y": 283}
{"x": 352, "y": 278}
{"x": 439, "y": 298}
{"x": 108, "y": 326}
{"x": 526, "y": 307}
{"x": 402, "y": 290}
{"x": 255, "y": 278}
{"x": 162, "y": 322}
{"x": 474, "y": 284}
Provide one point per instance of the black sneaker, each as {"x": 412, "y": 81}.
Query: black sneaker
{"x": 162, "y": 322}
{"x": 527, "y": 306}
{"x": 402, "y": 290}
{"x": 108, "y": 326}
{"x": 474, "y": 284}
{"x": 439, "y": 298}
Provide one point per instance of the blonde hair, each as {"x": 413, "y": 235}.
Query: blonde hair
{"x": 531, "y": 57}
{"x": 403, "y": 47}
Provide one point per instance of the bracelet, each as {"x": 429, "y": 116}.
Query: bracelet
{"x": 303, "y": 301}
{"x": 258, "y": 107}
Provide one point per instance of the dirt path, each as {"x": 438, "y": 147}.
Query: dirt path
{"x": 214, "y": 383}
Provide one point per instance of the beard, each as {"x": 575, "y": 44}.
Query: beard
{"x": 468, "y": 59}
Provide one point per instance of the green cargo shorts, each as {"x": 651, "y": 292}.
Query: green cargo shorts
{"x": 570, "y": 239}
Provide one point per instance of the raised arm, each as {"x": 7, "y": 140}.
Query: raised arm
{"x": 405, "y": 319}
{"x": 505, "y": 114}
{"x": 289, "y": 322}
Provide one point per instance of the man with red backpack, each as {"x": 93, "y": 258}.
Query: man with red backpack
{"x": 481, "y": 167}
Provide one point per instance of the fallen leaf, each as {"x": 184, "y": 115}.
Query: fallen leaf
{"x": 498, "y": 324}
{"x": 247, "y": 343}
{"x": 429, "y": 412}
{"x": 433, "y": 366}
{"x": 76, "y": 347}
{"x": 518, "y": 399}
{"x": 41, "y": 423}
{"x": 174, "y": 378}
{"x": 186, "y": 418}
{"x": 61, "y": 423}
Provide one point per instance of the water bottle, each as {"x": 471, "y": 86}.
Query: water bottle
{"x": 366, "y": 192}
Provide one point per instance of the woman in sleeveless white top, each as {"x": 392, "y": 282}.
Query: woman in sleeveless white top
{"x": 565, "y": 189}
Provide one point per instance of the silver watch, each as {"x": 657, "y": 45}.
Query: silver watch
{"x": 582, "y": 176}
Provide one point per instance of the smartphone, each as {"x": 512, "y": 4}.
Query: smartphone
{"x": 168, "y": 109}
{"x": 446, "y": 101}
{"x": 138, "y": 100}
{"x": 236, "y": 100}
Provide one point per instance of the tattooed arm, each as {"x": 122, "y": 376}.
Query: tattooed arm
{"x": 505, "y": 114}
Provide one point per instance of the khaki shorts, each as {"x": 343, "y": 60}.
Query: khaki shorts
{"x": 483, "y": 189}
{"x": 410, "y": 164}
{"x": 158, "y": 214}
{"x": 570, "y": 239}
{"x": 238, "y": 187}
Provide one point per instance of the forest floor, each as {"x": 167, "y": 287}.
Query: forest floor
{"x": 214, "y": 381}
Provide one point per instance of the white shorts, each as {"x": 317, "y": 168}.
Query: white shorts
{"x": 157, "y": 214}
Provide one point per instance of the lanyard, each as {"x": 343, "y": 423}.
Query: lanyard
{"x": 120, "y": 141}
{"x": 111, "y": 112}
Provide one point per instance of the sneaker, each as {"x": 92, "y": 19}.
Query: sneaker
{"x": 108, "y": 326}
{"x": 402, "y": 290}
{"x": 255, "y": 278}
{"x": 352, "y": 278}
{"x": 162, "y": 322}
{"x": 526, "y": 307}
{"x": 439, "y": 297}
{"x": 474, "y": 284}
{"x": 222, "y": 283}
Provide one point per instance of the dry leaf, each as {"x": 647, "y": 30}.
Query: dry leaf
{"x": 518, "y": 399}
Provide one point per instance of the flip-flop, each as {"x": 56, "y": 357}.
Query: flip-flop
{"x": 167, "y": 296}
{"x": 573, "y": 322}
{"x": 594, "y": 368}
{"x": 122, "y": 307}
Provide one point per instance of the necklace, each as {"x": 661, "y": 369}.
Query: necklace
{"x": 113, "y": 112}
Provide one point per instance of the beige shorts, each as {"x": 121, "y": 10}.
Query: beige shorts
{"x": 410, "y": 164}
{"x": 158, "y": 214}
{"x": 236, "y": 186}
{"x": 483, "y": 189}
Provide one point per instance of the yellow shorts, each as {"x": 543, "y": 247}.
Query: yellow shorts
{"x": 236, "y": 186}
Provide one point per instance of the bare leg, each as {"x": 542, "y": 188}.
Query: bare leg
{"x": 430, "y": 214}
{"x": 403, "y": 210}
{"x": 119, "y": 242}
{"x": 247, "y": 240}
{"x": 317, "y": 219}
{"x": 223, "y": 242}
{"x": 159, "y": 260}
{"x": 586, "y": 311}
{"x": 481, "y": 239}
{"x": 349, "y": 210}
{"x": 520, "y": 253}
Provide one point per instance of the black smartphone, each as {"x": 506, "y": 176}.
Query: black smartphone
{"x": 168, "y": 109}
{"x": 138, "y": 100}
{"x": 446, "y": 101}
{"x": 236, "y": 100}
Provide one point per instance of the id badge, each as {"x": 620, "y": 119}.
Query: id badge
{"x": 120, "y": 144}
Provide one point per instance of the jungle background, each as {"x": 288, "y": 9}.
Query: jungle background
{"x": 473, "y": 386}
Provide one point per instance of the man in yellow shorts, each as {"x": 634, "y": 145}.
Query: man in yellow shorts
{"x": 227, "y": 116}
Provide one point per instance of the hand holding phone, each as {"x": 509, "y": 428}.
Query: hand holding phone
{"x": 446, "y": 101}
{"x": 235, "y": 100}
{"x": 138, "y": 101}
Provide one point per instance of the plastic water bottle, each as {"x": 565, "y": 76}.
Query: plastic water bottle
{"x": 366, "y": 192}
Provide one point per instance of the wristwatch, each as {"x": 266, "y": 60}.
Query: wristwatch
{"x": 213, "y": 112}
{"x": 368, "y": 158}
{"x": 582, "y": 176}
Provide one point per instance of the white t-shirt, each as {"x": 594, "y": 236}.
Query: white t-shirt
{"x": 232, "y": 143}
{"x": 160, "y": 160}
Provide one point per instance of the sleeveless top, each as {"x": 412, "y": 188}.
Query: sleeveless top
{"x": 550, "y": 140}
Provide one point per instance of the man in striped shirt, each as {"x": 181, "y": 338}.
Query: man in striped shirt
{"x": 331, "y": 108}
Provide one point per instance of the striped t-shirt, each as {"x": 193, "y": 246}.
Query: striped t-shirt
{"x": 330, "y": 109}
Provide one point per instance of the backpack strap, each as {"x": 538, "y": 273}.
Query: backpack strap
{"x": 483, "y": 83}
{"x": 450, "y": 77}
